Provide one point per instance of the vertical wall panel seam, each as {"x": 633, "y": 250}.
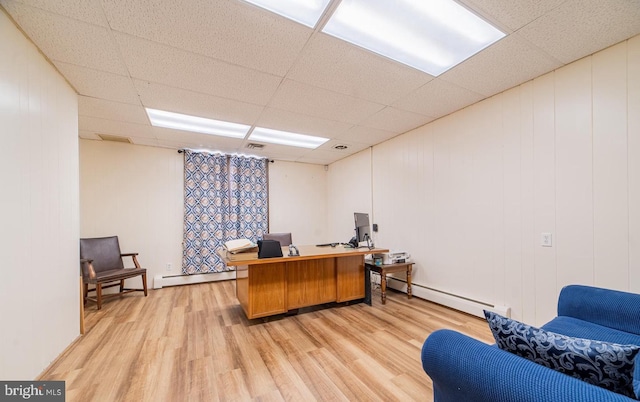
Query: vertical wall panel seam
{"x": 533, "y": 191}
{"x": 626, "y": 71}
{"x": 371, "y": 183}
{"x": 555, "y": 180}
{"x": 593, "y": 184}
{"x": 505, "y": 270}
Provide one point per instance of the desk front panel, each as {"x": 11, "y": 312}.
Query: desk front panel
{"x": 267, "y": 287}
{"x": 311, "y": 282}
{"x": 350, "y": 274}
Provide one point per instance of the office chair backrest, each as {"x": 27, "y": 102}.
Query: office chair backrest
{"x": 283, "y": 238}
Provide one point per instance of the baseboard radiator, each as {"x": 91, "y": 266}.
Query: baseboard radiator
{"x": 160, "y": 281}
{"x": 456, "y": 302}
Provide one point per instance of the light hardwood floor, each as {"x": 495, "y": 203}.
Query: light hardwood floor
{"x": 193, "y": 343}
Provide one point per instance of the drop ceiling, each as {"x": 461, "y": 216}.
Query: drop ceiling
{"x": 230, "y": 60}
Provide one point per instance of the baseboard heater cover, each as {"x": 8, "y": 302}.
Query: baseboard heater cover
{"x": 160, "y": 281}
{"x": 460, "y": 303}
{"x": 446, "y": 299}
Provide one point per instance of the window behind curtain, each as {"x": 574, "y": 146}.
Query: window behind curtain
{"x": 226, "y": 198}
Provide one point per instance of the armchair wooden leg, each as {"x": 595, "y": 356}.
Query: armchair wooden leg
{"x": 86, "y": 293}
{"x": 99, "y": 295}
{"x": 144, "y": 284}
{"x": 121, "y": 285}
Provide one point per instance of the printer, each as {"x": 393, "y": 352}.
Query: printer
{"x": 395, "y": 257}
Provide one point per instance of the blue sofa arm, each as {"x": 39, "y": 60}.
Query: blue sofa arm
{"x": 609, "y": 308}
{"x": 465, "y": 369}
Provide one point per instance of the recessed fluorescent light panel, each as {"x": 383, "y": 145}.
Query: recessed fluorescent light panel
{"x": 286, "y": 138}
{"x": 432, "y": 35}
{"x": 178, "y": 121}
{"x": 306, "y": 12}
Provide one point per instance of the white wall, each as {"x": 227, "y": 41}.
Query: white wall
{"x": 475, "y": 190}
{"x": 298, "y": 201}
{"x": 39, "y": 290}
{"x": 348, "y": 193}
{"x": 136, "y": 192}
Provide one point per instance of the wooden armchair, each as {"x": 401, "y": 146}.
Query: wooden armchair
{"x": 101, "y": 264}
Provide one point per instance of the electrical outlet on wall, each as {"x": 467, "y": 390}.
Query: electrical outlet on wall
{"x": 168, "y": 266}
{"x": 546, "y": 240}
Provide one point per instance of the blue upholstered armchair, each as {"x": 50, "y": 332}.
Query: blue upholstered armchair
{"x": 465, "y": 369}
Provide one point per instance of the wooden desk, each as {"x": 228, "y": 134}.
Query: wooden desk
{"x": 383, "y": 270}
{"x": 319, "y": 275}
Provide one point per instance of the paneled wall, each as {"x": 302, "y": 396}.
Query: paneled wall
{"x": 348, "y": 191}
{"x": 470, "y": 194}
{"x": 39, "y": 290}
{"x": 136, "y": 193}
{"x": 298, "y": 201}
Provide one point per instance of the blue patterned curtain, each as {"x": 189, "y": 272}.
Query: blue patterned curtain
{"x": 225, "y": 199}
{"x": 248, "y": 197}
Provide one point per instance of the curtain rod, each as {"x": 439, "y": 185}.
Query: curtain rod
{"x": 180, "y": 151}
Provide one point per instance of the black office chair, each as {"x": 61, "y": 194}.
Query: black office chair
{"x": 283, "y": 238}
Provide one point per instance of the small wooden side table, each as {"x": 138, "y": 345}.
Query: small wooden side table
{"x": 383, "y": 270}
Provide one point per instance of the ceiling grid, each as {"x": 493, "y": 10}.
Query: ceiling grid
{"x": 233, "y": 61}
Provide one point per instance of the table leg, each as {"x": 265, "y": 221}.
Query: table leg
{"x": 383, "y": 287}
{"x": 367, "y": 284}
{"x": 409, "y": 282}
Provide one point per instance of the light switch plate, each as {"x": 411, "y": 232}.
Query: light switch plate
{"x": 546, "y": 240}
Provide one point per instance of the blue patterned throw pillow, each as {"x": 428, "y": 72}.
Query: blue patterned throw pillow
{"x": 607, "y": 365}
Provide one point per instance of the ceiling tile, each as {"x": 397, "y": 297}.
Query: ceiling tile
{"x": 228, "y": 30}
{"x": 86, "y": 10}
{"x": 579, "y": 28}
{"x": 197, "y": 139}
{"x": 505, "y": 64}
{"x": 99, "y": 84}
{"x": 339, "y": 66}
{"x": 173, "y": 67}
{"x": 226, "y": 59}
{"x": 68, "y": 40}
{"x": 112, "y": 127}
{"x": 395, "y": 120}
{"x": 299, "y": 123}
{"x": 157, "y": 96}
{"x": 274, "y": 149}
{"x": 305, "y": 99}
{"x": 366, "y": 135}
{"x": 178, "y": 144}
{"x": 513, "y": 14}
{"x": 352, "y": 147}
{"x": 110, "y": 110}
{"x": 438, "y": 98}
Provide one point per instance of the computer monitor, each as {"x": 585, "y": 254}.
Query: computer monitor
{"x": 363, "y": 229}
